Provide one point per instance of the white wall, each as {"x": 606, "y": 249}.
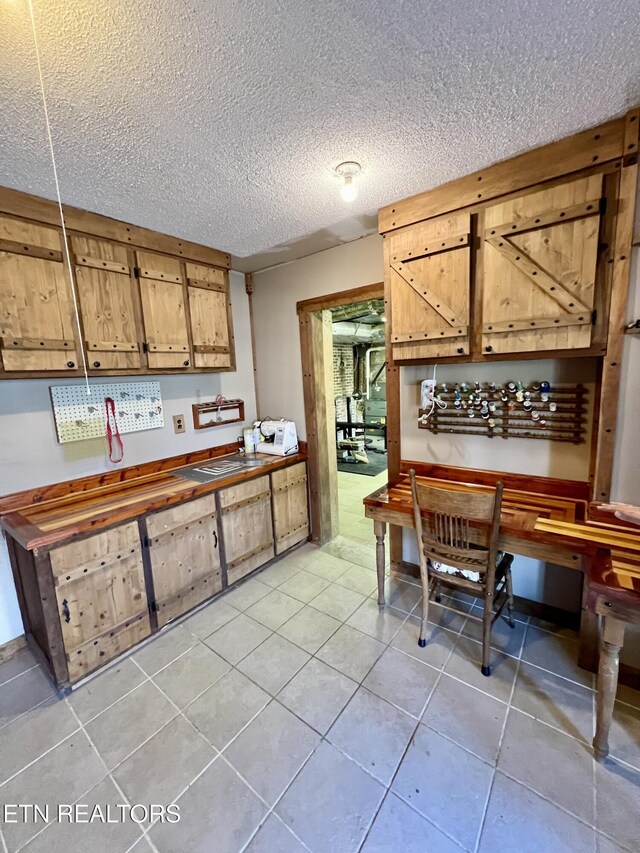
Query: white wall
{"x": 30, "y": 455}
{"x": 276, "y": 292}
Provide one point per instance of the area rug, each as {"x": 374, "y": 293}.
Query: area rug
{"x": 377, "y": 463}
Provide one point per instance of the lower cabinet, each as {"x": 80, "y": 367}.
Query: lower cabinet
{"x": 184, "y": 556}
{"x": 101, "y": 597}
{"x": 87, "y": 601}
{"x": 290, "y": 508}
{"x": 247, "y": 529}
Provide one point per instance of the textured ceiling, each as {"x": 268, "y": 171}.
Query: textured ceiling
{"x": 220, "y": 122}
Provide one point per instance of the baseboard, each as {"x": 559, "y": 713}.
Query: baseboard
{"x": 8, "y": 650}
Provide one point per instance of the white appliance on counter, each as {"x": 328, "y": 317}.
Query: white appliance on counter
{"x": 279, "y": 438}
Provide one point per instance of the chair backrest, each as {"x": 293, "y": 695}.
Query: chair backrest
{"x": 458, "y": 528}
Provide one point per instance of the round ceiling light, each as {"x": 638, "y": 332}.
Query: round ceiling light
{"x": 348, "y": 171}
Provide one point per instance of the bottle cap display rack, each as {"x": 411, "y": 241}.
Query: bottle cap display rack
{"x": 509, "y": 410}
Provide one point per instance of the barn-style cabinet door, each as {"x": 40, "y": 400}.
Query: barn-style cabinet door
{"x": 427, "y": 288}
{"x": 101, "y": 596}
{"x": 37, "y": 324}
{"x": 163, "y": 311}
{"x": 107, "y": 297}
{"x": 210, "y": 315}
{"x": 538, "y": 269}
{"x": 185, "y": 560}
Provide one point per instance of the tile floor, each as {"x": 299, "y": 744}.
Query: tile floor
{"x": 291, "y": 715}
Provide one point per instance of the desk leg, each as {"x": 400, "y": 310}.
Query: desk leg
{"x": 612, "y": 640}
{"x": 380, "y": 528}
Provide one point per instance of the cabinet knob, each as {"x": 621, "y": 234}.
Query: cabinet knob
{"x": 488, "y": 349}
{"x": 96, "y": 364}
{"x": 186, "y": 363}
{"x": 71, "y": 364}
{"x": 460, "y": 350}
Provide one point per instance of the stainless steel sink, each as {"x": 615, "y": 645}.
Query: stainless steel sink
{"x": 216, "y": 469}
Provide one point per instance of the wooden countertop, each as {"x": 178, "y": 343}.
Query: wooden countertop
{"x": 40, "y": 518}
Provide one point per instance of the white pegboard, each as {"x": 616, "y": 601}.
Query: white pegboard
{"x": 79, "y": 415}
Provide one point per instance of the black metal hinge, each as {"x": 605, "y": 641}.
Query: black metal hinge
{"x": 602, "y": 205}
{"x": 594, "y": 316}
{"x": 136, "y": 272}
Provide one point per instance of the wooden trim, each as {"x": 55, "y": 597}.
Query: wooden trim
{"x": 51, "y": 617}
{"x": 317, "y": 378}
{"x": 606, "y": 419}
{"x": 37, "y": 343}
{"x": 248, "y": 286}
{"x": 582, "y": 319}
{"x": 12, "y": 647}
{"x": 167, "y": 347}
{"x": 460, "y": 332}
{"x": 206, "y": 285}
{"x": 147, "y": 570}
{"x": 247, "y": 556}
{"x": 345, "y": 297}
{"x": 110, "y": 346}
{"x": 204, "y": 348}
{"x": 41, "y": 210}
{"x": 14, "y": 248}
{"x": 262, "y": 496}
{"x": 156, "y": 275}
{"x": 545, "y": 220}
{"x": 598, "y": 145}
{"x": 99, "y": 264}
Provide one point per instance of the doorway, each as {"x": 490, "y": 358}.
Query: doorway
{"x": 359, "y": 380}
{"x": 326, "y": 409}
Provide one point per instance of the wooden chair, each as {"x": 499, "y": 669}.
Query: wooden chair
{"x": 457, "y": 536}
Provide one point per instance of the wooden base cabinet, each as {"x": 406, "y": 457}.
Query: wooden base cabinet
{"x": 184, "y": 556}
{"x": 247, "y": 530}
{"x": 102, "y": 601}
{"x": 290, "y": 506}
{"x": 86, "y": 601}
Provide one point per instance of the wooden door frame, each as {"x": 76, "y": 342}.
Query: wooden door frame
{"x": 317, "y": 379}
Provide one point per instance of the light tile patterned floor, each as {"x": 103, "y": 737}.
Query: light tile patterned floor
{"x": 292, "y": 715}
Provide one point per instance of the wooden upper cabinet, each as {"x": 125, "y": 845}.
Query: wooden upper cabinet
{"x": 427, "y": 269}
{"x": 538, "y": 269}
{"x": 37, "y": 325}
{"x": 163, "y": 311}
{"x": 210, "y": 315}
{"x": 107, "y": 299}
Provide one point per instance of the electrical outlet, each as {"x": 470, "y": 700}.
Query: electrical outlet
{"x": 178, "y": 423}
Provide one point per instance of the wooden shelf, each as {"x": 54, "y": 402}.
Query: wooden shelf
{"x": 202, "y": 409}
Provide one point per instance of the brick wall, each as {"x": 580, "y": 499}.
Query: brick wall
{"x": 343, "y": 379}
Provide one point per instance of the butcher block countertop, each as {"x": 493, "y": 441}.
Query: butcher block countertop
{"x": 42, "y": 517}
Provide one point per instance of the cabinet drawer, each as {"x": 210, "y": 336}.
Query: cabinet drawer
{"x": 181, "y": 515}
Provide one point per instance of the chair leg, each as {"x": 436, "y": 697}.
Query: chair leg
{"x": 509, "y": 583}
{"x": 486, "y": 635}
{"x": 424, "y": 576}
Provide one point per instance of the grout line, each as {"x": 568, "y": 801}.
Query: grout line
{"x": 19, "y": 674}
{"x": 28, "y": 711}
{"x": 42, "y": 754}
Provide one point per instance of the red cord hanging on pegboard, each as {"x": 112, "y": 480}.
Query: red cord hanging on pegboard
{"x": 113, "y": 433}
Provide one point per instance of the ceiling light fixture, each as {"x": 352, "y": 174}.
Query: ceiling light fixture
{"x": 348, "y": 171}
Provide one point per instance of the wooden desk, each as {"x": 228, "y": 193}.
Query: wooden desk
{"x": 548, "y": 520}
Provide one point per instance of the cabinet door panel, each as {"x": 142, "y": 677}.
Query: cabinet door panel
{"x": 427, "y": 285}
{"x": 185, "y": 560}
{"x": 106, "y": 291}
{"x": 539, "y": 269}
{"x": 247, "y": 527}
{"x": 37, "y": 324}
{"x": 163, "y": 311}
{"x": 101, "y": 597}
{"x": 210, "y": 316}
{"x": 290, "y": 509}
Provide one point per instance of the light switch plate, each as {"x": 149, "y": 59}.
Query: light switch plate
{"x": 178, "y": 423}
